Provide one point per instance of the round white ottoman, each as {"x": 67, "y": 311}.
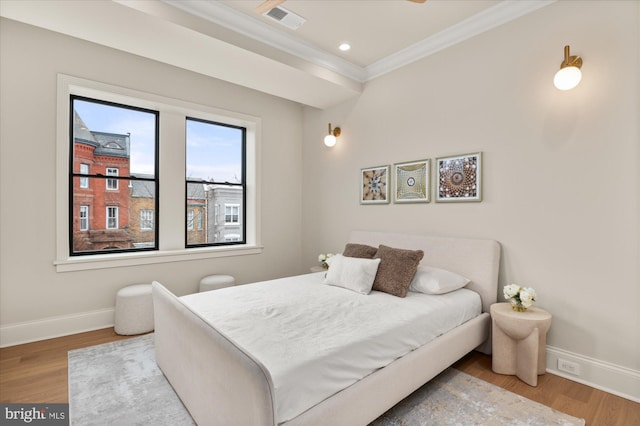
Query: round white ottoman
{"x": 214, "y": 282}
{"x": 134, "y": 310}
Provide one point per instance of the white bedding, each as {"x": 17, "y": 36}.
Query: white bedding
{"x": 334, "y": 336}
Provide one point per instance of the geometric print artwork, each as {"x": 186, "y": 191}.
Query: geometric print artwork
{"x": 412, "y": 182}
{"x": 374, "y": 185}
{"x": 459, "y": 178}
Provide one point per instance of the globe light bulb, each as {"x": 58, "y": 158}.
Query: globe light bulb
{"x": 567, "y": 78}
{"x": 330, "y": 140}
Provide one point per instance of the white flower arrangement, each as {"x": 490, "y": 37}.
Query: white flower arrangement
{"x": 322, "y": 258}
{"x": 521, "y": 298}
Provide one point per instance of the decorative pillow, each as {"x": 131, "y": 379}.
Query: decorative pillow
{"x": 352, "y": 273}
{"x": 397, "y": 268}
{"x": 431, "y": 280}
{"x": 362, "y": 251}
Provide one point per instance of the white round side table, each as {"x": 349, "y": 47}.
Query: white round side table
{"x": 519, "y": 341}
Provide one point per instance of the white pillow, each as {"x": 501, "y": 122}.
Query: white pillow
{"x": 352, "y": 273}
{"x": 431, "y": 280}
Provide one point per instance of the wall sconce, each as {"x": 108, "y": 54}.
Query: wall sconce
{"x": 569, "y": 75}
{"x": 330, "y": 140}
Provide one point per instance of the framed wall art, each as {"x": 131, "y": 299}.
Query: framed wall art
{"x": 411, "y": 183}
{"x": 459, "y": 178}
{"x": 374, "y": 185}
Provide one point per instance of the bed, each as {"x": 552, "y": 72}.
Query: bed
{"x": 223, "y": 379}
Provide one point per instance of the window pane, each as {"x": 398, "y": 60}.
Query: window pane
{"x": 110, "y": 144}
{"x": 214, "y": 152}
{"x": 84, "y": 218}
{"x": 112, "y": 217}
{"x": 215, "y": 183}
{"x": 146, "y": 220}
{"x": 190, "y": 218}
{"x": 110, "y": 132}
{"x": 84, "y": 170}
{"x": 110, "y": 220}
{"x": 112, "y": 184}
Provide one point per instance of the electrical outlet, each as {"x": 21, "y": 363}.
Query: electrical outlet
{"x": 569, "y": 366}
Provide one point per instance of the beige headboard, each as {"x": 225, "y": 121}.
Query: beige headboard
{"x": 478, "y": 260}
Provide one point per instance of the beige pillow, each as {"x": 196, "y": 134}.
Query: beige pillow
{"x": 362, "y": 251}
{"x": 396, "y": 270}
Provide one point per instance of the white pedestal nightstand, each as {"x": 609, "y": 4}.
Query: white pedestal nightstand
{"x": 519, "y": 341}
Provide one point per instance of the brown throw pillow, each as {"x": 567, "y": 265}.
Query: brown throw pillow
{"x": 362, "y": 251}
{"x": 397, "y": 268}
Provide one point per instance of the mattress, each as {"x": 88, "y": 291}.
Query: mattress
{"x": 316, "y": 339}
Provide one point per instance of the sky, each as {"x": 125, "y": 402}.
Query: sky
{"x": 213, "y": 151}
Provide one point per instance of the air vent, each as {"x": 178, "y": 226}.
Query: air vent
{"x": 285, "y": 17}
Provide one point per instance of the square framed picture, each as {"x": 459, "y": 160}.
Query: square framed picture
{"x": 374, "y": 185}
{"x": 411, "y": 183}
{"x": 459, "y": 178}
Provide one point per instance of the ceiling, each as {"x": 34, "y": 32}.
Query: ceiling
{"x": 226, "y": 39}
{"x": 375, "y": 29}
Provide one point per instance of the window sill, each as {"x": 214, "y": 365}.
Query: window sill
{"x": 84, "y": 263}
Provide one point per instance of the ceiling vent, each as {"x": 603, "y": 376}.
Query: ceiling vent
{"x": 285, "y": 17}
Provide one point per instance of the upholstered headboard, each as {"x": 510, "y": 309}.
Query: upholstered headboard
{"x": 478, "y": 260}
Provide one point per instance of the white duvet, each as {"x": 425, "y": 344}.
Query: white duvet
{"x": 317, "y": 339}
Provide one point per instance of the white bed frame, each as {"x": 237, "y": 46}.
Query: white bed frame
{"x": 220, "y": 384}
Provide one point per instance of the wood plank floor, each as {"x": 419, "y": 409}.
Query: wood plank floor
{"x": 37, "y": 373}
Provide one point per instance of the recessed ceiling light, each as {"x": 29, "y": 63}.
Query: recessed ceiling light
{"x": 344, "y": 47}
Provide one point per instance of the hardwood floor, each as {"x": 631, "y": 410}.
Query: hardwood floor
{"x": 37, "y": 373}
{"x": 598, "y": 408}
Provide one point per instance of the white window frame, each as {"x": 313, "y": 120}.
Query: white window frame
{"x": 112, "y": 184}
{"x": 84, "y": 218}
{"x": 111, "y": 218}
{"x": 84, "y": 181}
{"x": 232, "y": 206}
{"x": 146, "y": 217}
{"x": 171, "y": 232}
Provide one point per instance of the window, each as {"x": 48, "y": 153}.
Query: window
{"x": 146, "y": 220}
{"x": 216, "y": 175}
{"x": 110, "y": 127}
{"x": 112, "y": 184}
{"x": 231, "y": 214}
{"x": 120, "y": 142}
{"x": 112, "y": 217}
{"x": 84, "y": 170}
{"x": 84, "y": 218}
{"x": 190, "y": 220}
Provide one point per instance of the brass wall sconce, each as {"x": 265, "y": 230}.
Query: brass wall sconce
{"x": 331, "y": 139}
{"x": 569, "y": 75}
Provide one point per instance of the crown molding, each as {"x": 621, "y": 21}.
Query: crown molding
{"x": 486, "y": 20}
{"x": 227, "y": 17}
{"x": 253, "y": 28}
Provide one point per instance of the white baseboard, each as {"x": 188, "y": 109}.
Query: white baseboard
{"x": 617, "y": 380}
{"x": 48, "y": 328}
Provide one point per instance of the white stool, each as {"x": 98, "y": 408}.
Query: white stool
{"x": 134, "y": 310}
{"x": 214, "y": 282}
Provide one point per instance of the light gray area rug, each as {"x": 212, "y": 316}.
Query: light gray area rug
{"x": 119, "y": 383}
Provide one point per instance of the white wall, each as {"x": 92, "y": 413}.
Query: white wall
{"x": 561, "y": 174}
{"x": 561, "y": 171}
{"x": 37, "y": 302}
